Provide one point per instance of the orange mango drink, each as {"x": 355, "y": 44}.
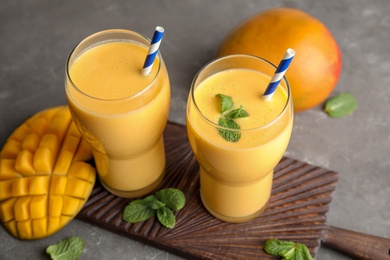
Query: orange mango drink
{"x": 236, "y": 176}
{"x": 121, "y": 113}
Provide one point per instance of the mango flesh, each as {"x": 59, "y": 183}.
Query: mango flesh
{"x": 316, "y": 67}
{"x": 44, "y": 181}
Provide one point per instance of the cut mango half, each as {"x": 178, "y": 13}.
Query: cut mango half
{"x": 44, "y": 178}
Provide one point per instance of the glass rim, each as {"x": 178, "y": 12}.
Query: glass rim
{"x": 109, "y": 31}
{"x": 288, "y": 100}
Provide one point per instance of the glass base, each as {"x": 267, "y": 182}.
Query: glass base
{"x": 134, "y": 193}
{"x": 233, "y": 219}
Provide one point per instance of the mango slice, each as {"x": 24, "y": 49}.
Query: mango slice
{"x": 44, "y": 179}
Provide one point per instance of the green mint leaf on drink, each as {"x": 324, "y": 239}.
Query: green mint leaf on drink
{"x": 287, "y": 250}
{"x": 341, "y": 105}
{"x": 228, "y": 123}
{"x": 174, "y": 199}
{"x": 163, "y": 203}
{"x": 228, "y": 114}
{"x": 229, "y": 135}
{"x": 166, "y": 217}
{"x": 226, "y": 102}
{"x": 68, "y": 249}
{"x": 237, "y": 113}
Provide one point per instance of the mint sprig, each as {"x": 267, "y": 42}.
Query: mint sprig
{"x": 163, "y": 203}
{"x": 228, "y": 114}
{"x": 287, "y": 250}
{"x": 68, "y": 249}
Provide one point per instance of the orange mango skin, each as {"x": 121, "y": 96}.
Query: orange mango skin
{"x": 44, "y": 181}
{"x": 316, "y": 67}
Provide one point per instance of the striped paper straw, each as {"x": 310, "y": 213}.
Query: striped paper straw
{"x": 279, "y": 73}
{"x": 153, "y": 49}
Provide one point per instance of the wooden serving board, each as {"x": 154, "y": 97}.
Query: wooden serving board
{"x": 297, "y": 210}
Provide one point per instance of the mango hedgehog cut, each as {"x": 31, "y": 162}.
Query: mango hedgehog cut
{"x": 44, "y": 179}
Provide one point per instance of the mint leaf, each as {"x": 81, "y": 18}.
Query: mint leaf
{"x": 277, "y": 247}
{"x": 237, "y": 113}
{"x": 156, "y": 204}
{"x": 229, "y": 135}
{"x": 227, "y": 102}
{"x": 302, "y": 252}
{"x": 67, "y": 249}
{"x": 226, "y": 119}
{"x": 341, "y": 105}
{"x": 174, "y": 199}
{"x": 163, "y": 203}
{"x": 289, "y": 255}
{"x": 287, "y": 250}
{"x": 298, "y": 252}
{"x": 139, "y": 210}
{"x": 166, "y": 217}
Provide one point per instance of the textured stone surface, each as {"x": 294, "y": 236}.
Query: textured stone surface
{"x": 37, "y": 36}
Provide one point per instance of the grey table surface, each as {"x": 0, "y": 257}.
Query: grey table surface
{"x": 37, "y": 36}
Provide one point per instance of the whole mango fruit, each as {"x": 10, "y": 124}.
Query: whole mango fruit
{"x": 315, "y": 70}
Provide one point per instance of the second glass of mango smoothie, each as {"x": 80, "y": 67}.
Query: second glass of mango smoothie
{"x": 237, "y": 158}
{"x": 120, "y": 112}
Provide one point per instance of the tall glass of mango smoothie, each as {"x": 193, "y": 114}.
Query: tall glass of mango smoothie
{"x": 237, "y": 136}
{"x": 120, "y": 112}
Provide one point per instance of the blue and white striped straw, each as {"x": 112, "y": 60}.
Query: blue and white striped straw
{"x": 153, "y": 49}
{"x": 279, "y": 73}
